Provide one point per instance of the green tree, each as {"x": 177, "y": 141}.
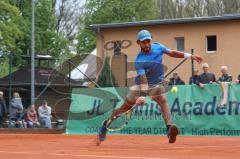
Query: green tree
{"x": 110, "y": 11}
{"x": 231, "y": 6}
{"x": 196, "y": 8}
{"x": 9, "y": 27}
{"x": 86, "y": 41}
{"x": 106, "y": 78}
{"x": 10, "y": 34}
{"x": 15, "y": 30}
{"x": 47, "y": 39}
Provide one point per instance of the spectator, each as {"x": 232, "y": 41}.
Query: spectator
{"x": 225, "y": 76}
{"x": 238, "y": 80}
{"x": 44, "y": 112}
{"x": 15, "y": 111}
{"x": 176, "y": 80}
{"x": 206, "y": 77}
{"x": 3, "y": 108}
{"x": 195, "y": 78}
{"x": 32, "y": 118}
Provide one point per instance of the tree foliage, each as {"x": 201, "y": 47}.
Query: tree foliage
{"x": 9, "y": 27}
{"x": 47, "y": 40}
{"x": 68, "y": 13}
{"x": 15, "y": 30}
{"x": 111, "y": 11}
{"x": 170, "y": 9}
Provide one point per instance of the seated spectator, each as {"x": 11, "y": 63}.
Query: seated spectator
{"x": 32, "y": 118}
{"x": 15, "y": 111}
{"x": 44, "y": 112}
{"x": 195, "y": 78}
{"x": 3, "y": 108}
{"x": 206, "y": 77}
{"x": 176, "y": 80}
{"x": 225, "y": 76}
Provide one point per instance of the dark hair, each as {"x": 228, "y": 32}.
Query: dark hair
{"x": 44, "y": 101}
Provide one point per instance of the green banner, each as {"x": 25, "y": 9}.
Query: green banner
{"x": 195, "y": 111}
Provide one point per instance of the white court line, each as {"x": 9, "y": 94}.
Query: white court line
{"x": 91, "y": 156}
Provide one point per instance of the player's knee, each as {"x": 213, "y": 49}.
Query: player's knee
{"x": 125, "y": 107}
{"x": 155, "y": 98}
{"x": 130, "y": 102}
{"x": 161, "y": 99}
{"x": 128, "y": 105}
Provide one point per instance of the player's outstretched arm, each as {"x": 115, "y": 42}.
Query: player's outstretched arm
{"x": 179, "y": 54}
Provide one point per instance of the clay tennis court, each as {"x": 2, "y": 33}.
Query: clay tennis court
{"x": 46, "y": 146}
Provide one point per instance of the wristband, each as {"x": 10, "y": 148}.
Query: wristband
{"x": 144, "y": 94}
{"x": 187, "y": 55}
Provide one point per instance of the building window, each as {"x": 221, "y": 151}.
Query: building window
{"x": 179, "y": 43}
{"x": 211, "y": 44}
{"x": 117, "y": 47}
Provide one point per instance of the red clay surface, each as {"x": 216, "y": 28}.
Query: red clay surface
{"x": 14, "y": 146}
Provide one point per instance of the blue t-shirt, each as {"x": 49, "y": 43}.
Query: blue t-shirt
{"x": 151, "y": 64}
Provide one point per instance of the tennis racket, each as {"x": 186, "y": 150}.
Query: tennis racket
{"x": 120, "y": 121}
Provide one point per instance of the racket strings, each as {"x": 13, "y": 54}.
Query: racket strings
{"x": 119, "y": 121}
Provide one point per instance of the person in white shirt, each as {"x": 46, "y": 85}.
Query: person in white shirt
{"x": 44, "y": 112}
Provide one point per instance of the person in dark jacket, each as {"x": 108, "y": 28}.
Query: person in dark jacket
{"x": 206, "y": 77}
{"x": 225, "y": 76}
{"x": 15, "y": 111}
{"x": 238, "y": 79}
{"x": 176, "y": 80}
{"x": 195, "y": 78}
{"x": 3, "y": 108}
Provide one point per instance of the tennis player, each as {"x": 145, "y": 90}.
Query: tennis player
{"x": 148, "y": 65}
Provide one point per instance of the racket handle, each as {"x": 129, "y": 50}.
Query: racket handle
{"x": 110, "y": 120}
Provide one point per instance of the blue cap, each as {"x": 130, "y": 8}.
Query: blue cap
{"x": 143, "y": 35}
